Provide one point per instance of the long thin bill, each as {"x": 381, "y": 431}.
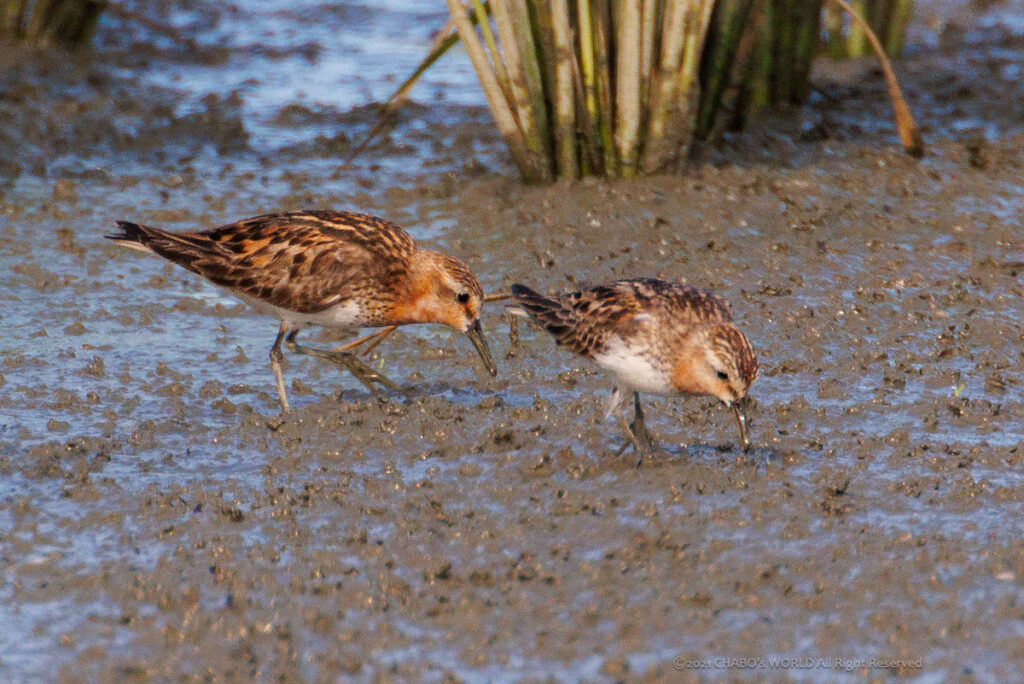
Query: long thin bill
{"x": 476, "y": 336}
{"x": 741, "y": 420}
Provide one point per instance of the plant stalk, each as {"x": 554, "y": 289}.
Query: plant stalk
{"x": 602, "y": 51}
{"x": 909, "y": 134}
{"x": 481, "y": 20}
{"x": 856, "y": 44}
{"x": 12, "y": 17}
{"x": 500, "y": 110}
{"x": 524, "y": 76}
{"x": 648, "y": 22}
{"x": 659, "y": 148}
{"x": 564, "y": 104}
{"x": 627, "y": 87}
{"x": 899, "y": 17}
{"x": 589, "y": 112}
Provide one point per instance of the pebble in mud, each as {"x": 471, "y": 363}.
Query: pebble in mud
{"x": 64, "y": 191}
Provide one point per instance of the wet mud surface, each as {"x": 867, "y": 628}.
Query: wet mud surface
{"x": 159, "y": 521}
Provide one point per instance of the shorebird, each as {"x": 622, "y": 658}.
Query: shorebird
{"x": 330, "y": 269}
{"x": 655, "y": 336}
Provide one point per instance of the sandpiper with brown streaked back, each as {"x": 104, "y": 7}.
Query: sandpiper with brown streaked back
{"x": 330, "y": 269}
{"x": 655, "y": 336}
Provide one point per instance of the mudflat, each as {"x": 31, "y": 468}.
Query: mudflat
{"x": 159, "y": 520}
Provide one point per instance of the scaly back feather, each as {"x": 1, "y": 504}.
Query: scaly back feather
{"x": 584, "y": 321}
{"x": 302, "y": 261}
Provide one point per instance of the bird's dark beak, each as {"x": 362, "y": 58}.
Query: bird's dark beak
{"x": 476, "y": 336}
{"x": 740, "y": 411}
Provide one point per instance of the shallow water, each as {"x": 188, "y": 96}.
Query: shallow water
{"x": 159, "y": 522}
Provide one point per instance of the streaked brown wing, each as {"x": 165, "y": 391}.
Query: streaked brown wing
{"x": 593, "y": 315}
{"x": 300, "y": 261}
{"x": 621, "y": 308}
{"x": 585, "y": 321}
{"x": 684, "y": 304}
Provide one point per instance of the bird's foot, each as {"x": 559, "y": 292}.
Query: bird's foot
{"x": 643, "y": 444}
{"x": 350, "y": 362}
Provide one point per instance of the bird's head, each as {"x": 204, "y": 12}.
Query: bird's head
{"x": 443, "y": 290}
{"x": 720, "y": 362}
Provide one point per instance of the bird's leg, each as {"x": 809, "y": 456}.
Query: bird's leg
{"x": 513, "y": 336}
{"x": 637, "y": 431}
{"x": 276, "y": 356}
{"x": 363, "y": 373}
{"x": 612, "y": 403}
{"x": 348, "y": 361}
{"x": 377, "y": 336}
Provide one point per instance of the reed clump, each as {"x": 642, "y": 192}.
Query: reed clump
{"x": 588, "y": 87}
{"x": 57, "y": 23}
{"x": 623, "y": 87}
{"x": 888, "y": 19}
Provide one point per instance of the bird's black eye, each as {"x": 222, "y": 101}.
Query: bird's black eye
{"x": 462, "y": 297}
{"x": 722, "y": 375}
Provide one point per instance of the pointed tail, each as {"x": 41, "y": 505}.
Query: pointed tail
{"x": 184, "y": 249}
{"x": 547, "y": 312}
{"x": 133, "y": 236}
{"x": 527, "y": 303}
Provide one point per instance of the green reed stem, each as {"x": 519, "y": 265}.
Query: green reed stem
{"x": 748, "y": 76}
{"x": 908, "y": 131}
{"x": 698, "y": 24}
{"x": 66, "y": 23}
{"x": 660, "y": 147}
{"x": 856, "y": 43}
{"x": 836, "y": 31}
{"x": 728, "y": 19}
{"x": 806, "y": 26}
{"x": 12, "y": 17}
{"x": 900, "y": 14}
{"x": 495, "y": 98}
{"x": 648, "y": 29}
{"x": 511, "y": 18}
{"x": 627, "y": 87}
{"x": 590, "y": 112}
{"x": 602, "y": 52}
{"x": 480, "y": 16}
{"x": 563, "y": 95}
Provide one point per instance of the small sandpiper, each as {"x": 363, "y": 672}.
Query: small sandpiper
{"x": 655, "y": 336}
{"x": 330, "y": 269}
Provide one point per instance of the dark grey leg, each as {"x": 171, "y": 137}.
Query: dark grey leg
{"x": 638, "y": 435}
{"x": 642, "y": 439}
{"x": 276, "y": 356}
{"x": 347, "y": 361}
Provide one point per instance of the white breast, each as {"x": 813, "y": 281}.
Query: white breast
{"x": 342, "y": 315}
{"x": 634, "y": 369}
